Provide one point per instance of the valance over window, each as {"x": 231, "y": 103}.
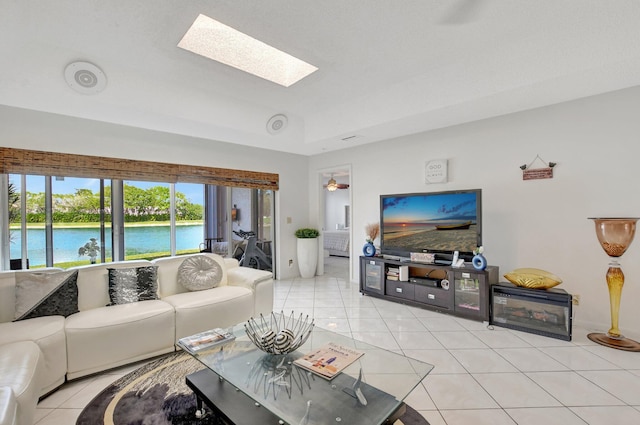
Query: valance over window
{"x": 21, "y": 161}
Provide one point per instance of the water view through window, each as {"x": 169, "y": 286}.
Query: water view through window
{"x": 68, "y": 221}
{"x": 80, "y": 214}
{"x": 147, "y": 239}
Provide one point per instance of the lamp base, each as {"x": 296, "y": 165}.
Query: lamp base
{"x": 623, "y": 343}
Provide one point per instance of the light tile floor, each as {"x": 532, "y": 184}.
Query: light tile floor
{"x": 481, "y": 375}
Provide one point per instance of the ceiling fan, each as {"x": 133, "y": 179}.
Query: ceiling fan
{"x": 332, "y": 185}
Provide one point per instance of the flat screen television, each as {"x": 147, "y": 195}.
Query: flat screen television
{"x": 433, "y": 222}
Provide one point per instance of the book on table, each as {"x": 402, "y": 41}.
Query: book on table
{"x": 329, "y": 360}
{"x": 206, "y": 339}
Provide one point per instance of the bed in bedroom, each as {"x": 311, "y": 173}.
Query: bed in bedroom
{"x": 337, "y": 242}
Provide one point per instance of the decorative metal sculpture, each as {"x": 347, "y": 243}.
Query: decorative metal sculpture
{"x": 279, "y": 334}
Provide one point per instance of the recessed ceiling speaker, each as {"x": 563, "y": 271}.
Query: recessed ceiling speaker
{"x": 277, "y": 124}
{"x": 85, "y": 77}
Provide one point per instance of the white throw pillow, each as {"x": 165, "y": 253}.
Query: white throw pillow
{"x": 199, "y": 272}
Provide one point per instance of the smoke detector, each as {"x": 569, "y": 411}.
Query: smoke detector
{"x": 85, "y": 77}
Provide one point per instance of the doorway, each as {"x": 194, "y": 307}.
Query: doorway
{"x": 335, "y": 220}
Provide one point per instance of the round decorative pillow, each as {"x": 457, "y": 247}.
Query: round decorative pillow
{"x": 199, "y": 273}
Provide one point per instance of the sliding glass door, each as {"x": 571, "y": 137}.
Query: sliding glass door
{"x": 67, "y": 221}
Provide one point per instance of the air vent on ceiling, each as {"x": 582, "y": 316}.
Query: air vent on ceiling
{"x": 351, "y": 138}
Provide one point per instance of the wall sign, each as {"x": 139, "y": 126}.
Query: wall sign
{"x": 436, "y": 171}
{"x": 538, "y": 173}
{"x": 544, "y": 172}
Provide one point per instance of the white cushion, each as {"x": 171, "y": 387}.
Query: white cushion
{"x": 93, "y": 282}
{"x": 260, "y": 282}
{"x": 48, "y": 333}
{"x": 212, "y": 308}
{"x": 199, "y": 272}
{"x": 106, "y": 337}
{"x": 21, "y": 365}
{"x": 168, "y": 273}
{"x": 8, "y": 407}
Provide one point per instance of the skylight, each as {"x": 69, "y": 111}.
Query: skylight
{"x": 215, "y": 40}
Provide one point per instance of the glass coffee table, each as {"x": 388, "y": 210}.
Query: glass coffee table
{"x": 244, "y": 385}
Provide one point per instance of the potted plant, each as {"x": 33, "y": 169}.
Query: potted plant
{"x": 91, "y": 249}
{"x": 307, "y": 250}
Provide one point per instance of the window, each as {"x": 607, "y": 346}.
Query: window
{"x": 58, "y": 221}
{"x": 27, "y": 204}
{"x": 81, "y": 232}
{"x": 189, "y": 201}
{"x": 147, "y": 219}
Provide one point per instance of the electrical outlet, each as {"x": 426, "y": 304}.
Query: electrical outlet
{"x": 576, "y": 299}
{"x": 290, "y": 263}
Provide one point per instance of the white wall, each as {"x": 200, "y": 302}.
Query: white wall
{"x": 25, "y": 129}
{"x": 541, "y": 223}
{"x": 538, "y": 223}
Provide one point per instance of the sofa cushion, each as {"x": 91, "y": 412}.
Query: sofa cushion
{"x": 219, "y": 307}
{"x": 168, "y": 273}
{"x": 93, "y": 282}
{"x": 21, "y": 365}
{"x": 106, "y": 337}
{"x": 47, "y": 293}
{"x": 199, "y": 273}
{"x": 8, "y": 407}
{"x": 48, "y": 332}
{"x": 133, "y": 284}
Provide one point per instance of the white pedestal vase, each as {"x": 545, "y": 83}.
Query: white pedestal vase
{"x": 307, "y": 256}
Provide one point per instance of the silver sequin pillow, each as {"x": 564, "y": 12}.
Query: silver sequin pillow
{"x": 199, "y": 273}
{"x": 130, "y": 285}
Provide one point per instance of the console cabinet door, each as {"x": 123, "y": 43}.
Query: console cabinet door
{"x": 371, "y": 275}
{"x": 471, "y": 296}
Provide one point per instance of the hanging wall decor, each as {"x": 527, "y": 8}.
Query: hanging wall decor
{"x": 436, "y": 171}
{"x": 545, "y": 172}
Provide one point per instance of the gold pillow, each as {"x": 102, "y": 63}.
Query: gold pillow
{"x": 533, "y": 278}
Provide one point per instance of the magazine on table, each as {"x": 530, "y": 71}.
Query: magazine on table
{"x": 206, "y": 339}
{"x": 329, "y": 360}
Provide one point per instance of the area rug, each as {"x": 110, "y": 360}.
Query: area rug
{"x": 156, "y": 394}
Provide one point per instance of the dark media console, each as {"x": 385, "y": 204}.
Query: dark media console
{"x": 461, "y": 291}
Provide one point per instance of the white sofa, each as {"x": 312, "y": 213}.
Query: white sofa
{"x": 21, "y": 365}
{"x": 101, "y": 337}
{"x": 8, "y": 407}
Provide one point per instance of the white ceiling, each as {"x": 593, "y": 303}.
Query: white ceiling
{"x": 386, "y": 68}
